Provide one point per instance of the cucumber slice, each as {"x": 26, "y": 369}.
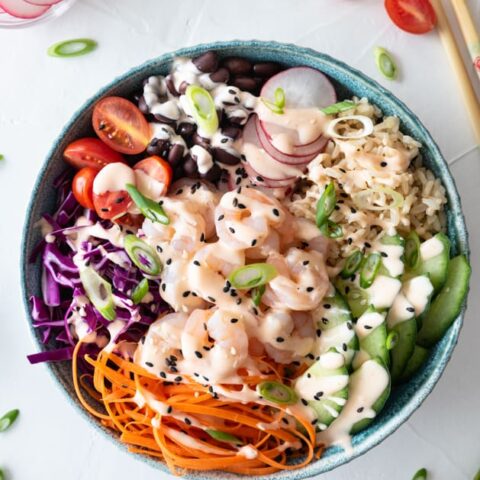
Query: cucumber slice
{"x": 418, "y": 358}
{"x": 404, "y": 348}
{"x": 391, "y": 247}
{"x": 448, "y": 303}
{"x": 325, "y": 386}
{"x": 356, "y": 297}
{"x": 419, "y": 291}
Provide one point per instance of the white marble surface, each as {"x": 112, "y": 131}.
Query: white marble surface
{"x": 37, "y": 96}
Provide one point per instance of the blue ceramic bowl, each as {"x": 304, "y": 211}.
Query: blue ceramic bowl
{"x": 348, "y": 81}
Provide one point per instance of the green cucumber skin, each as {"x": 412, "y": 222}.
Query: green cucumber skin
{"x": 357, "y": 305}
{"x": 418, "y": 358}
{"x": 393, "y": 240}
{"x": 375, "y": 346}
{"x": 403, "y": 350}
{"x": 319, "y": 406}
{"x": 338, "y": 312}
{"x": 446, "y": 306}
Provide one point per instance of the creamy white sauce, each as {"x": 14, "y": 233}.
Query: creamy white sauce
{"x": 113, "y": 178}
{"x": 430, "y": 248}
{"x": 248, "y": 451}
{"x": 203, "y": 157}
{"x": 383, "y": 291}
{"x": 418, "y": 291}
{"x": 400, "y": 311}
{"x": 148, "y": 186}
{"x": 393, "y": 261}
{"x": 367, "y": 323}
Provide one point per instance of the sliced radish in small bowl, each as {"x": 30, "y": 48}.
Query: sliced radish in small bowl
{"x": 22, "y": 9}
{"x": 43, "y": 3}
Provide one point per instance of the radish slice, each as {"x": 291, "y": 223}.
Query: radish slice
{"x": 304, "y": 87}
{"x": 299, "y": 158}
{"x": 43, "y": 3}
{"x": 21, "y": 9}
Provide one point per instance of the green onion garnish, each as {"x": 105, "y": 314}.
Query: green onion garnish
{"x": 385, "y": 63}
{"x": 223, "y": 436}
{"x": 338, "y": 107}
{"x": 2, "y": 475}
{"x": 142, "y": 255}
{"x": 277, "y": 392}
{"x": 99, "y": 292}
{"x": 202, "y": 109}
{"x": 412, "y": 250}
{"x": 392, "y": 340}
{"x": 150, "y": 209}
{"x": 352, "y": 264}
{"x": 420, "y": 475}
{"x": 370, "y": 269}
{"x": 2, "y": 157}
{"x": 257, "y": 294}
{"x": 253, "y": 275}
{"x": 140, "y": 291}
{"x": 7, "y": 420}
{"x": 278, "y": 105}
{"x": 72, "y": 48}
{"x": 326, "y": 204}
{"x": 331, "y": 229}
{"x": 477, "y": 476}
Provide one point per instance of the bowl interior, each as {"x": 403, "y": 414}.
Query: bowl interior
{"x": 404, "y": 399}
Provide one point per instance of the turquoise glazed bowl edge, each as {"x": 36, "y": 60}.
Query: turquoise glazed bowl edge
{"x": 348, "y": 81}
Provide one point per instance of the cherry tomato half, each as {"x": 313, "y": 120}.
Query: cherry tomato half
{"x": 112, "y": 205}
{"x": 159, "y": 176}
{"x": 121, "y": 125}
{"x": 82, "y": 186}
{"x": 413, "y": 16}
{"x": 90, "y": 152}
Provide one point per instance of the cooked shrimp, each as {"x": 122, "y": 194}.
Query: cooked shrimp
{"x": 301, "y": 283}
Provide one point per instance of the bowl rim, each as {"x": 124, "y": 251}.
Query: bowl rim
{"x": 389, "y": 426}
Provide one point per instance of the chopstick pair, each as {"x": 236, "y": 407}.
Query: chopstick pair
{"x": 472, "y": 39}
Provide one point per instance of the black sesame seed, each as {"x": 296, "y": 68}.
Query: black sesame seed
{"x": 314, "y": 421}
{"x": 367, "y": 327}
{"x": 142, "y": 340}
{"x": 179, "y": 192}
{"x": 235, "y": 202}
{"x": 367, "y": 245}
{"x": 239, "y": 189}
{"x": 311, "y": 356}
{"x": 149, "y": 364}
{"x": 104, "y": 209}
{"x": 255, "y": 311}
{"x": 410, "y": 309}
{"x": 319, "y": 332}
{"x": 178, "y": 379}
{"x": 353, "y": 210}
{"x": 349, "y": 325}
{"x": 239, "y": 301}
{"x": 186, "y": 293}
{"x": 241, "y": 206}
{"x": 349, "y": 240}
{"x": 254, "y": 242}
{"x": 304, "y": 402}
{"x": 344, "y": 195}
{"x": 198, "y": 354}
{"x": 196, "y": 262}
{"x": 206, "y": 378}
{"x": 360, "y": 410}
{"x": 159, "y": 249}
{"x": 221, "y": 217}
{"x": 202, "y": 237}
{"x": 344, "y": 347}
{"x": 309, "y": 375}
{"x": 211, "y": 299}
{"x": 231, "y": 91}
{"x": 276, "y": 212}
{"x": 188, "y": 421}
{"x": 194, "y": 294}
{"x": 347, "y": 289}
{"x": 224, "y": 140}
{"x": 233, "y": 320}
{"x": 232, "y": 230}
{"x": 196, "y": 375}
{"x": 238, "y": 181}
{"x": 383, "y": 164}
{"x": 327, "y": 306}
{"x": 259, "y": 179}
{"x": 306, "y": 262}
{"x": 164, "y": 286}
{"x": 119, "y": 199}
{"x": 383, "y": 254}
{"x": 324, "y": 320}
{"x": 163, "y": 374}
{"x": 169, "y": 409}
{"x": 173, "y": 369}
{"x": 280, "y": 339}
{"x": 169, "y": 261}
{"x": 310, "y": 289}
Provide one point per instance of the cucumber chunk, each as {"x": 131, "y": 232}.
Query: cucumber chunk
{"x": 447, "y": 305}
{"x": 418, "y": 358}
{"x": 404, "y": 348}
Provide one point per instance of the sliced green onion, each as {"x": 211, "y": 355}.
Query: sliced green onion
{"x": 150, "y": 209}
{"x": 338, "y": 107}
{"x": 331, "y": 230}
{"x": 420, "y": 475}
{"x": 391, "y": 341}
{"x": 223, "y": 436}
{"x": 277, "y": 392}
{"x": 7, "y": 420}
{"x": 257, "y": 294}
{"x": 142, "y": 255}
{"x": 412, "y": 250}
{"x": 369, "y": 199}
{"x": 334, "y": 125}
{"x": 72, "y": 48}
{"x": 99, "y": 292}
{"x": 253, "y": 275}
{"x": 140, "y": 291}
{"x": 385, "y": 63}
{"x": 370, "y": 269}
{"x": 202, "y": 109}
{"x": 279, "y": 101}
{"x": 352, "y": 264}
{"x": 326, "y": 204}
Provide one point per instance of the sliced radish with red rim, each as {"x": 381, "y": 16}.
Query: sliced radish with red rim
{"x": 22, "y": 9}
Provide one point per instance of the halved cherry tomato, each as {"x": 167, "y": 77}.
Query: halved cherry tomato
{"x": 160, "y": 173}
{"x": 82, "y": 186}
{"x": 121, "y": 125}
{"x": 112, "y": 205}
{"x": 413, "y": 16}
{"x": 90, "y": 152}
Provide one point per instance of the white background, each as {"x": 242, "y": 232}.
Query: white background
{"x": 38, "y": 94}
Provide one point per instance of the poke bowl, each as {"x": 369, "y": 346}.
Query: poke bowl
{"x": 372, "y": 383}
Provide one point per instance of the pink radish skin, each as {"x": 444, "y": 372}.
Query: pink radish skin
{"x": 43, "y": 3}
{"x": 21, "y": 9}
{"x": 304, "y": 87}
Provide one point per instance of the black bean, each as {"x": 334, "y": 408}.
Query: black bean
{"x": 266, "y": 69}
{"x": 231, "y": 132}
{"x": 237, "y": 120}
{"x": 160, "y": 118}
{"x": 157, "y": 147}
{"x": 207, "y": 62}
{"x": 171, "y": 86}
{"x": 186, "y": 129}
{"x": 142, "y": 105}
{"x": 213, "y": 175}
{"x": 224, "y": 156}
{"x": 182, "y": 88}
{"x": 176, "y": 154}
{"x": 222, "y": 75}
{"x": 203, "y": 142}
{"x": 245, "y": 83}
{"x": 237, "y": 65}
{"x": 190, "y": 167}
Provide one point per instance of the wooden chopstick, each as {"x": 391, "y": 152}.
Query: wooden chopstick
{"x": 469, "y": 32}
{"x": 448, "y": 40}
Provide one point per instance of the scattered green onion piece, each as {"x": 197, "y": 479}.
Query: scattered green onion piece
{"x": 150, "y": 209}
{"x": 279, "y": 104}
{"x": 477, "y": 476}
{"x": 253, "y": 275}
{"x": 391, "y": 341}
{"x": 365, "y": 200}
{"x": 2, "y": 157}
{"x": 223, "y": 436}
{"x": 99, "y": 292}
{"x": 412, "y": 250}
{"x": 385, "y": 63}
{"x": 420, "y": 475}
{"x": 370, "y": 269}
{"x": 326, "y": 204}
{"x": 331, "y": 230}
{"x": 72, "y": 48}
{"x": 142, "y": 255}
{"x": 7, "y": 420}
{"x": 338, "y": 107}
{"x": 352, "y": 264}
{"x": 140, "y": 291}
{"x": 202, "y": 108}
{"x": 2, "y": 475}
{"x": 257, "y": 294}
{"x": 277, "y": 392}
